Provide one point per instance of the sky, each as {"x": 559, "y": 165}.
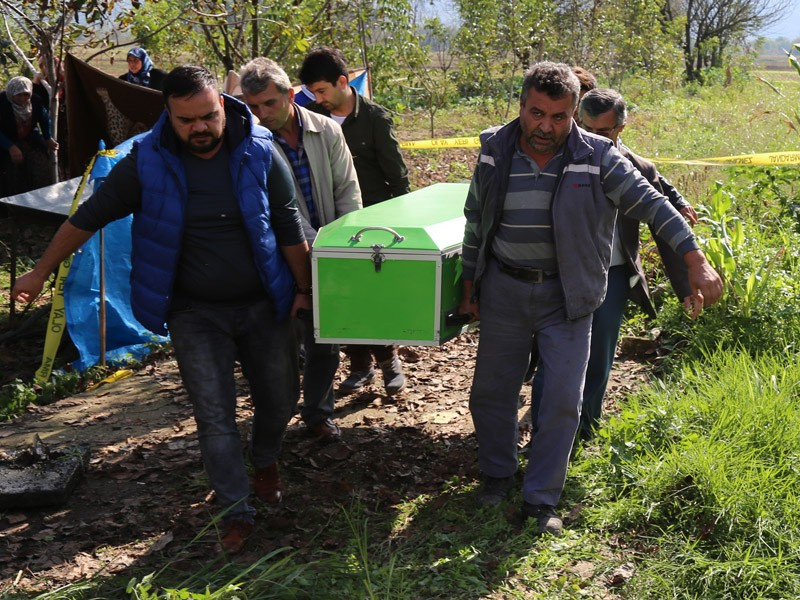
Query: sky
{"x": 788, "y": 26}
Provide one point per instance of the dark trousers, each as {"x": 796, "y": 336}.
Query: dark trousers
{"x": 321, "y": 364}
{"x": 361, "y": 355}
{"x": 208, "y": 339}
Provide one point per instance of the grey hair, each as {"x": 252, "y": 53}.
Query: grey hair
{"x": 601, "y": 100}
{"x": 256, "y": 76}
{"x": 554, "y": 79}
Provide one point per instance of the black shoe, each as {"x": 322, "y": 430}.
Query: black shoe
{"x": 547, "y": 519}
{"x": 326, "y": 431}
{"x": 495, "y": 490}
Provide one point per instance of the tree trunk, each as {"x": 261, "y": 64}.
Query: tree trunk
{"x": 254, "y": 47}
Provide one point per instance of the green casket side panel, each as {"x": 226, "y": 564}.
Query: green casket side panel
{"x": 429, "y": 219}
{"x": 405, "y": 298}
{"x": 451, "y": 296}
{"x": 359, "y": 303}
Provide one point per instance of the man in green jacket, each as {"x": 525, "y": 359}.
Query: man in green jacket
{"x": 369, "y": 132}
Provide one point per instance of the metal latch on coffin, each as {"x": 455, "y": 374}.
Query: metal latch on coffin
{"x": 377, "y": 256}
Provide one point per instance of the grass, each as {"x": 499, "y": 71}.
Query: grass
{"x": 706, "y": 122}
{"x": 707, "y": 465}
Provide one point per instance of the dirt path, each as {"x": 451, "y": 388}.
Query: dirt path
{"x": 145, "y": 495}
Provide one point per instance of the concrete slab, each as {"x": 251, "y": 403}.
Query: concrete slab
{"x": 32, "y": 480}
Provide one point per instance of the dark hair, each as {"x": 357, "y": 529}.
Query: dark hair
{"x": 187, "y": 81}
{"x": 588, "y": 80}
{"x": 601, "y": 100}
{"x": 323, "y": 64}
{"x": 554, "y": 79}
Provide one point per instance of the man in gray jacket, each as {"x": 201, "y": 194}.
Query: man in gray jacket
{"x": 537, "y": 247}
{"x": 327, "y": 188}
{"x": 603, "y": 112}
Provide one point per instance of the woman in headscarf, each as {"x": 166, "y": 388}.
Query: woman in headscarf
{"x": 24, "y": 138}
{"x": 141, "y": 70}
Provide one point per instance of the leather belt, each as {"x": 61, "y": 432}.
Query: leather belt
{"x": 526, "y": 274}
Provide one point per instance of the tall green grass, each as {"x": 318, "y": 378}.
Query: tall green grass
{"x": 705, "y": 470}
{"x": 750, "y": 233}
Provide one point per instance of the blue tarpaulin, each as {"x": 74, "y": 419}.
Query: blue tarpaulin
{"x": 126, "y": 338}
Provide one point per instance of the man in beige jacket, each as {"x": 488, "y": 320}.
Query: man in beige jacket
{"x": 327, "y": 188}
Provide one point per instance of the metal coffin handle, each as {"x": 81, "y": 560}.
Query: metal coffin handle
{"x": 357, "y": 237}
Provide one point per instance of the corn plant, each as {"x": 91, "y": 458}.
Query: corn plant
{"x": 725, "y": 242}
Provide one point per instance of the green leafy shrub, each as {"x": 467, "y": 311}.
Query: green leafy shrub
{"x": 757, "y": 259}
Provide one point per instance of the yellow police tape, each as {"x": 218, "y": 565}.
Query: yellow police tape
{"x": 763, "y": 159}
{"x": 115, "y": 376}
{"x": 464, "y": 142}
{"x": 58, "y": 317}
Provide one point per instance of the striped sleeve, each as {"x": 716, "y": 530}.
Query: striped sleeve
{"x": 472, "y": 229}
{"x": 636, "y": 198}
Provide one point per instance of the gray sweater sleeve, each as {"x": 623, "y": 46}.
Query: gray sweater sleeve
{"x": 472, "y": 229}
{"x": 636, "y": 198}
{"x": 118, "y": 196}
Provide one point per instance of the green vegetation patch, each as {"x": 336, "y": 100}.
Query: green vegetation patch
{"x": 703, "y": 470}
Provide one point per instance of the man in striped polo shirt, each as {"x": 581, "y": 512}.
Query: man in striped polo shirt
{"x": 537, "y": 247}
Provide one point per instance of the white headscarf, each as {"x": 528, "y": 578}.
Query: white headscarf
{"x": 20, "y": 85}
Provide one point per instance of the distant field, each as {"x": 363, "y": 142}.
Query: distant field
{"x": 776, "y": 62}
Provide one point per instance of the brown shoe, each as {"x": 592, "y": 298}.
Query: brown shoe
{"x": 326, "y": 430}
{"x": 235, "y": 536}
{"x": 267, "y": 484}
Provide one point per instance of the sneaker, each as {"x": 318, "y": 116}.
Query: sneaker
{"x": 495, "y": 490}
{"x": 547, "y": 519}
{"x": 267, "y": 484}
{"x": 234, "y": 536}
{"x": 393, "y": 378}
{"x": 356, "y": 380}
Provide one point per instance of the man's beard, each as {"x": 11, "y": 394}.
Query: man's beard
{"x": 540, "y": 147}
{"x": 201, "y": 143}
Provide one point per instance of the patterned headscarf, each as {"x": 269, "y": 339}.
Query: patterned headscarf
{"x": 20, "y": 85}
{"x": 143, "y": 76}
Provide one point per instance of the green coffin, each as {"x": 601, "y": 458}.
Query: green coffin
{"x": 390, "y": 273}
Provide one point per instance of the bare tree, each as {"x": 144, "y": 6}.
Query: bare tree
{"x": 713, "y": 27}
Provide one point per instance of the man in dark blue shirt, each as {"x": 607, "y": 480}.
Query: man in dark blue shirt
{"x": 218, "y": 262}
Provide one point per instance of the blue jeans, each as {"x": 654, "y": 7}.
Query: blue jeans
{"x": 606, "y": 323}
{"x": 511, "y": 312}
{"x": 208, "y": 339}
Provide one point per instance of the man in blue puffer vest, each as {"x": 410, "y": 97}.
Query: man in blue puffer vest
{"x": 219, "y": 260}
{"x": 537, "y": 247}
